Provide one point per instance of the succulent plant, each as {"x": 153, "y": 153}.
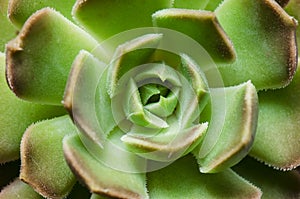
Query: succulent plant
{"x": 149, "y": 99}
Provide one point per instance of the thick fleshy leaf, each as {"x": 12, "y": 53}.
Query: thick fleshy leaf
{"x": 97, "y": 196}
{"x": 166, "y": 145}
{"x": 238, "y": 130}
{"x": 263, "y": 35}
{"x": 16, "y": 115}
{"x": 135, "y": 111}
{"x": 107, "y": 18}
{"x": 20, "y": 10}
{"x": 8, "y": 31}
{"x": 43, "y": 164}
{"x": 278, "y": 139}
{"x": 39, "y": 59}
{"x": 102, "y": 179}
{"x": 17, "y": 190}
{"x": 213, "y": 4}
{"x": 79, "y": 98}
{"x": 201, "y": 26}
{"x": 191, "y": 71}
{"x": 273, "y": 183}
{"x": 182, "y": 178}
{"x": 195, "y": 4}
{"x": 293, "y": 8}
{"x": 129, "y": 55}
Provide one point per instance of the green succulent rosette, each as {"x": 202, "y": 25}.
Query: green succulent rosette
{"x": 149, "y": 99}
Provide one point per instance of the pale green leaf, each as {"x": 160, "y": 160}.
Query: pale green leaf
{"x": 79, "y": 97}
{"x": 100, "y": 178}
{"x": 166, "y": 145}
{"x": 238, "y": 127}
{"x": 16, "y": 115}
{"x": 8, "y": 31}
{"x": 39, "y": 59}
{"x": 277, "y": 139}
{"x": 107, "y": 18}
{"x": 263, "y": 35}
{"x": 20, "y": 10}
{"x": 183, "y": 179}
{"x": 43, "y": 164}
{"x": 190, "y": 4}
{"x": 201, "y": 26}
{"x": 293, "y": 8}
{"x": 19, "y": 190}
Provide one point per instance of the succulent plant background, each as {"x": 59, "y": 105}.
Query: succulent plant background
{"x": 149, "y": 99}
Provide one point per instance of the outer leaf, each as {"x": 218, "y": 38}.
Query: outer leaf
{"x": 274, "y": 184}
{"x": 238, "y": 130}
{"x": 201, "y": 26}
{"x": 277, "y": 141}
{"x": 97, "y": 196}
{"x": 293, "y": 8}
{"x": 182, "y": 179}
{"x": 16, "y": 115}
{"x": 42, "y": 156}
{"x": 213, "y": 4}
{"x": 195, "y": 4}
{"x": 100, "y": 178}
{"x": 8, "y": 31}
{"x": 20, "y": 10}
{"x": 19, "y": 190}
{"x": 106, "y": 18}
{"x": 39, "y": 59}
{"x": 263, "y": 35}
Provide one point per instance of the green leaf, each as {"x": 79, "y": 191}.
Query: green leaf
{"x": 293, "y": 8}
{"x": 43, "y": 164}
{"x": 79, "y": 97}
{"x": 201, "y": 26}
{"x": 166, "y": 145}
{"x": 277, "y": 139}
{"x": 107, "y": 18}
{"x": 194, "y": 4}
{"x": 135, "y": 111}
{"x": 16, "y": 115}
{"x": 192, "y": 72}
{"x": 273, "y": 183}
{"x": 39, "y": 59}
{"x": 97, "y": 196}
{"x": 8, "y": 31}
{"x": 19, "y": 189}
{"x": 263, "y": 35}
{"x": 183, "y": 178}
{"x": 20, "y": 10}
{"x": 102, "y": 179}
{"x": 238, "y": 127}
{"x": 213, "y": 4}
{"x": 129, "y": 55}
